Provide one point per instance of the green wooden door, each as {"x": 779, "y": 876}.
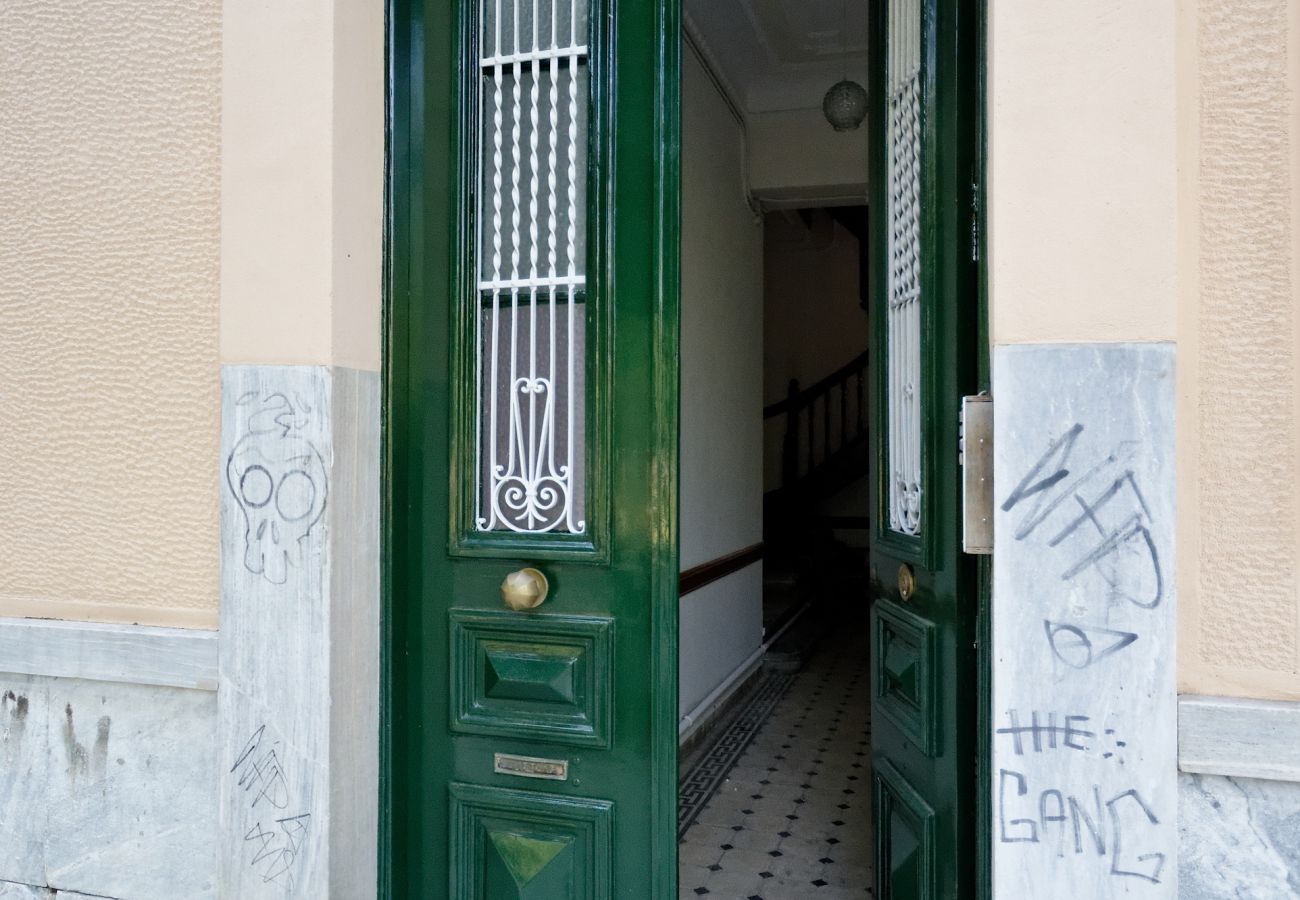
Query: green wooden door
{"x": 532, "y": 425}
{"x": 926, "y": 333}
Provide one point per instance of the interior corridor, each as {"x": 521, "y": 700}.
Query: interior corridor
{"x": 776, "y": 401}
{"x": 789, "y": 813}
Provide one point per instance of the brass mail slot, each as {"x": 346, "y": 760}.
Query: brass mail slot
{"x": 530, "y": 767}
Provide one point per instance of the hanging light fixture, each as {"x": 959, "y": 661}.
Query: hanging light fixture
{"x": 845, "y": 104}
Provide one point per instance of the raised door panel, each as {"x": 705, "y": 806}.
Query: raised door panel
{"x": 903, "y": 676}
{"x": 524, "y": 845}
{"x": 537, "y": 675}
{"x": 904, "y": 837}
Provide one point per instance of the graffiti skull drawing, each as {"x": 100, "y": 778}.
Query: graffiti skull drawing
{"x": 278, "y": 479}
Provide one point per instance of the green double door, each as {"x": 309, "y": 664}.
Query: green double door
{"x": 530, "y": 697}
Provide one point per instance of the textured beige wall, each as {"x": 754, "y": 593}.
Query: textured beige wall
{"x": 302, "y": 182}
{"x": 1144, "y": 184}
{"x": 1240, "y": 345}
{"x": 1082, "y": 180}
{"x": 109, "y": 144}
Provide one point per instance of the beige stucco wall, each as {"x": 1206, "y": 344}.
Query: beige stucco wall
{"x": 174, "y": 196}
{"x": 109, "y": 189}
{"x": 1144, "y": 179}
{"x": 1083, "y": 155}
{"x": 1239, "y": 341}
{"x": 302, "y": 182}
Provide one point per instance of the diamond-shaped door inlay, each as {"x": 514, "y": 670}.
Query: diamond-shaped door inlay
{"x": 519, "y": 867}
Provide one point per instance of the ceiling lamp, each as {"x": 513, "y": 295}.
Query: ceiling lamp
{"x": 845, "y": 105}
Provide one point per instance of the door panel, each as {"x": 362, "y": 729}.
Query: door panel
{"x": 904, "y": 838}
{"x": 546, "y": 677}
{"x": 925, "y": 680}
{"x": 524, "y": 845}
{"x": 532, "y": 397}
{"x": 903, "y": 672}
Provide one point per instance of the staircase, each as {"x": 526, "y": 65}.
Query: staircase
{"x": 825, "y": 448}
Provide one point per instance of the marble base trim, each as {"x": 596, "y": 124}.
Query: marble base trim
{"x": 126, "y": 654}
{"x": 1242, "y": 738}
{"x": 13, "y": 890}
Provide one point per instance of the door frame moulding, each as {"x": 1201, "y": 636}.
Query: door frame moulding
{"x": 666, "y": 356}
{"x": 983, "y": 563}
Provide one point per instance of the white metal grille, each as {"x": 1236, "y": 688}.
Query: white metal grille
{"x": 904, "y": 289}
{"x": 533, "y": 89}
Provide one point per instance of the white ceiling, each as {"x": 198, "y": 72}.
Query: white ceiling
{"x": 783, "y": 54}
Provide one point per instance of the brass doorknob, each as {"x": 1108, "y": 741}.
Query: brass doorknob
{"x": 906, "y": 582}
{"x": 525, "y": 589}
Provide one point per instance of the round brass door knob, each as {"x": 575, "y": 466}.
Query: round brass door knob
{"x": 525, "y": 589}
{"x": 906, "y": 582}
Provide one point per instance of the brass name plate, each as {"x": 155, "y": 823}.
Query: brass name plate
{"x": 530, "y": 767}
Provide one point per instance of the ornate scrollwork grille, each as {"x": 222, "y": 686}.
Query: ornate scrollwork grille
{"x": 529, "y": 405}
{"x": 903, "y": 312}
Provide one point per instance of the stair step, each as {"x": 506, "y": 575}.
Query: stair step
{"x": 780, "y": 579}
{"x": 778, "y": 608}
{"x": 791, "y": 652}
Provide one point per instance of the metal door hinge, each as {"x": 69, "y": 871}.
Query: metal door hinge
{"x": 975, "y": 454}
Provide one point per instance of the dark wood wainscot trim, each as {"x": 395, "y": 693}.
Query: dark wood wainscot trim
{"x": 711, "y": 571}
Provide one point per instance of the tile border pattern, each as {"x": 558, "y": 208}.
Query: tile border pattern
{"x": 700, "y": 784}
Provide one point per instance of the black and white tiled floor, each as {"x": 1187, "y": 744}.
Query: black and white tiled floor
{"x": 792, "y": 819}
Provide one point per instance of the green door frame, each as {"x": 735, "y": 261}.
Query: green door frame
{"x": 984, "y": 374}
{"x": 416, "y": 109}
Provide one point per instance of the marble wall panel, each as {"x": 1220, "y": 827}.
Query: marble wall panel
{"x": 107, "y": 789}
{"x": 1084, "y": 702}
{"x": 1238, "y": 837}
{"x": 299, "y": 660}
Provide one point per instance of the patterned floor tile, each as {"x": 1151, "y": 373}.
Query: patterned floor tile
{"x": 782, "y": 808}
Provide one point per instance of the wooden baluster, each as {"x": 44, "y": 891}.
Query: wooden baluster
{"x": 862, "y": 410}
{"x": 811, "y": 406}
{"x": 846, "y": 433}
{"x": 790, "y": 446}
{"x": 826, "y": 424}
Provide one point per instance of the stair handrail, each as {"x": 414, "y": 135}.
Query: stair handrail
{"x": 800, "y": 398}
{"x": 801, "y": 404}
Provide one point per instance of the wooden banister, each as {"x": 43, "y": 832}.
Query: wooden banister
{"x": 855, "y": 366}
{"x": 843, "y": 392}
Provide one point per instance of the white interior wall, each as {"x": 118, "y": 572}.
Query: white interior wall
{"x": 721, "y": 393}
